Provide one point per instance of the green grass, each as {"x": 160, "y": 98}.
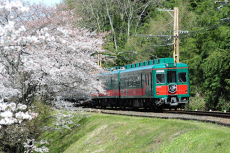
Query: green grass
{"x": 116, "y": 133}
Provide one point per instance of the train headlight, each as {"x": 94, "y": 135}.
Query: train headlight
{"x": 157, "y": 92}
{"x": 167, "y": 65}
{"x": 186, "y": 91}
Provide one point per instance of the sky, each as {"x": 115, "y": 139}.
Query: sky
{"x": 48, "y": 2}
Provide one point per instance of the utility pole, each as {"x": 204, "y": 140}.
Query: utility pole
{"x": 99, "y": 58}
{"x": 176, "y": 36}
{"x": 175, "y": 33}
{"x": 99, "y": 54}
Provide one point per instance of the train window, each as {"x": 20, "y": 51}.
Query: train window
{"x": 121, "y": 83}
{"x": 116, "y": 84}
{"x": 147, "y": 79}
{"x": 108, "y": 83}
{"x": 151, "y": 83}
{"x": 160, "y": 78}
{"x": 151, "y": 78}
{"x": 130, "y": 82}
{"x": 103, "y": 82}
{"x": 113, "y": 83}
{"x": 142, "y": 80}
{"x": 124, "y": 82}
{"x": 171, "y": 76}
{"x": 182, "y": 77}
{"x": 136, "y": 81}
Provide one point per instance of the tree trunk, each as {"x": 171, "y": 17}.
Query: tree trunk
{"x": 111, "y": 24}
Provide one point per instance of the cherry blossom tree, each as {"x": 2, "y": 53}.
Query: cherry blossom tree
{"x": 42, "y": 46}
{"x": 41, "y": 51}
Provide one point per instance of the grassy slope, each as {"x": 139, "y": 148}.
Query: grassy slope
{"x": 108, "y": 133}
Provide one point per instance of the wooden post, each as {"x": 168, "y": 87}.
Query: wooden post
{"x": 100, "y": 59}
{"x": 98, "y": 53}
{"x": 176, "y": 36}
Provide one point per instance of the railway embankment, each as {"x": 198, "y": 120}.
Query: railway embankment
{"x": 98, "y": 132}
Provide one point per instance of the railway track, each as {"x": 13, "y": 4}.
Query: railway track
{"x": 200, "y": 113}
{"x": 210, "y": 117}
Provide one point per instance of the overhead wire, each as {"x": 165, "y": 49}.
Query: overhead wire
{"x": 207, "y": 14}
{"x": 184, "y": 34}
{"x": 193, "y": 32}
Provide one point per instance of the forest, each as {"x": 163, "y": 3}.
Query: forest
{"x": 204, "y": 38}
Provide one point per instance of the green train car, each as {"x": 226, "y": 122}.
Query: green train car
{"x": 151, "y": 84}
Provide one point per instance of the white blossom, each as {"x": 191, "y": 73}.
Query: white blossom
{"x": 12, "y": 106}
{"x": 7, "y": 114}
{"x": 21, "y": 107}
{"x": 3, "y": 106}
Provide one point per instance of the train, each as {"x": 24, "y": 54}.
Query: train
{"x": 153, "y": 84}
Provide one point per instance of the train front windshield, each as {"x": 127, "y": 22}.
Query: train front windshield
{"x": 160, "y": 78}
{"x": 182, "y": 77}
{"x": 171, "y": 76}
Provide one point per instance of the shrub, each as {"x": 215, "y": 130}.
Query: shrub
{"x": 223, "y": 104}
{"x": 196, "y": 103}
{"x": 13, "y": 136}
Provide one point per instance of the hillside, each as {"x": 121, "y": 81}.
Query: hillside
{"x": 111, "y": 133}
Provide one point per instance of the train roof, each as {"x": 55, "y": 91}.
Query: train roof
{"x": 152, "y": 64}
{"x": 137, "y": 69}
{"x": 156, "y": 66}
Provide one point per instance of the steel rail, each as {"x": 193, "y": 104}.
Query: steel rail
{"x": 209, "y": 117}
{"x": 197, "y": 113}
{"x": 200, "y": 113}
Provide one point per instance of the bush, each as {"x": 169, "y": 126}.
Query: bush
{"x": 13, "y": 136}
{"x": 196, "y": 103}
{"x": 223, "y": 104}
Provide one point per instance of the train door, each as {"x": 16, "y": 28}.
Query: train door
{"x": 142, "y": 83}
{"x": 171, "y": 82}
{"x": 111, "y": 86}
{"x": 126, "y": 84}
{"x": 151, "y": 83}
{"x": 122, "y": 86}
{"x": 182, "y": 82}
{"x": 119, "y": 87}
{"x": 161, "y": 83}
